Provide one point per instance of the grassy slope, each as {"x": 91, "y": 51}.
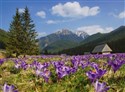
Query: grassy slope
{"x": 60, "y": 45}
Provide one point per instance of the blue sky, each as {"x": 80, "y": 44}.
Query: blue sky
{"x": 49, "y": 16}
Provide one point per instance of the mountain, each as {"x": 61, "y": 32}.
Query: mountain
{"x": 115, "y": 39}
{"x": 81, "y": 34}
{"x": 62, "y": 39}
{"x": 92, "y": 38}
{"x": 3, "y": 38}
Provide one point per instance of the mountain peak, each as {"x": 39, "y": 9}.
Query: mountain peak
{"x": 81, "y": 34}
{"x": 64, "y": 32}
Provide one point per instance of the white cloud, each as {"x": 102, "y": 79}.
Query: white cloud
{"x": 41, "y": 14}
{"x": 41, "y": 34}
{"x": 74, "y": 9}
{"x": 51, "y": 22}
{"x": 95, "y": 29}
{"x": 121, "y": 15}
{"x": 21, "y": 10}
{"x": 58, "y": 21}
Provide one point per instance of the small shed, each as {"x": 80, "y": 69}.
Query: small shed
{"x": 102, "y": 49}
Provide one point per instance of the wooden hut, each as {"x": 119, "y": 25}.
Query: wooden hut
{"x": 102, "y": 49}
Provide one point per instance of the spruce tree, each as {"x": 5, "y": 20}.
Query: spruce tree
{"x": 29, "y": 40}
{"x": 14, "y": 40}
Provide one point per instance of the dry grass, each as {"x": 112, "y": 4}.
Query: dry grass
{"x": 2, "y": 56}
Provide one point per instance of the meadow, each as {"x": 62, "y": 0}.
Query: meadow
{"x": 63, "y": 73}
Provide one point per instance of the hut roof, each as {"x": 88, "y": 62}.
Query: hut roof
{"x": 102, "y": 48}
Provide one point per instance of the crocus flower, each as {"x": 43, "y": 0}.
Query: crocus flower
{"x": 38, "y": 72}
{"x": 100, "y": 87}
{"x": 73, "y": 70}
{"x": 17, "y": 66}
{"x": 7, "y": 88}
{"x": 58, "y": 64}
{"x": 63, "y": 71}
{"x": 95, "y": 74}
{"x": 84, "y": 64}
{"x": 44, "y": 73}
{"x": 116, "y": 64}
{"x": 94, "y": 65}
{"x": 75, "y": 62}
{"x": 24, "y": 65}
{"x": 1, "y": 61}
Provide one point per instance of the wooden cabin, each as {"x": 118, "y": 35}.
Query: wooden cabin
{"x": 102, "y": 49}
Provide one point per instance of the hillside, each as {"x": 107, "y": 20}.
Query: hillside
{"x": 3, "y": 38}
{"x": 115, "y": 39}
{"x": 60, "y": 45}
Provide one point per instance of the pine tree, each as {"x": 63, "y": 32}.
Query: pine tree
{"x": 13, "y": 43}
{"x": 29, "y": 39}
{"x": 22, "y": 35}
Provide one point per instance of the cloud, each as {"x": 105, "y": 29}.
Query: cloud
{"x": 74, "y": 9}
{"x": 121, "y": 15}
{"x": 41, "y": 34}
{"x": 58, "y": 21}
{"x": 51, "y": 22}
{"x": 41, "y": 14}
{"x": 21, "y": 10}
{"x": 95, "y": 29}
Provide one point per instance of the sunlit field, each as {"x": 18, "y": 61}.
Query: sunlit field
{"x": 63, "y": 73}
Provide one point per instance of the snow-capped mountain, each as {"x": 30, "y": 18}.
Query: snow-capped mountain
{"x": 64, "y": 32}
{"x": 68, "y": 32}
{"x": 62, "y": 39}
{"x": 81, "y": 34}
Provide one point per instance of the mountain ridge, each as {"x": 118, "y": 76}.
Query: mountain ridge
{"x": 115, "y": 39}
{"x": 64, "y": 35}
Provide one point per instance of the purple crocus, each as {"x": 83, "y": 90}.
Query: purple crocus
{"x": 100, "y": 87}
{"x": 63, "y": 71}
{"x": 17, "y": 66}
{"x": 1, "y": 61}
{"x": 45, "y": 74}
{"x": 38, "y": 72}
{"x": 84, "y": 64}
{"x": 116, "y": 64}
{"x": 94, "y": 65}
{"x": 24, "y": 65}
{"x": 20, "y": 64}
{"x": 57, "y": 64}
{"x": 7, "y": 88}
{"x": 75, "y": 62}
{"x": 95, "y": 74}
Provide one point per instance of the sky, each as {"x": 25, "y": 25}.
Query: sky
{"x": 49, "y": 16}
